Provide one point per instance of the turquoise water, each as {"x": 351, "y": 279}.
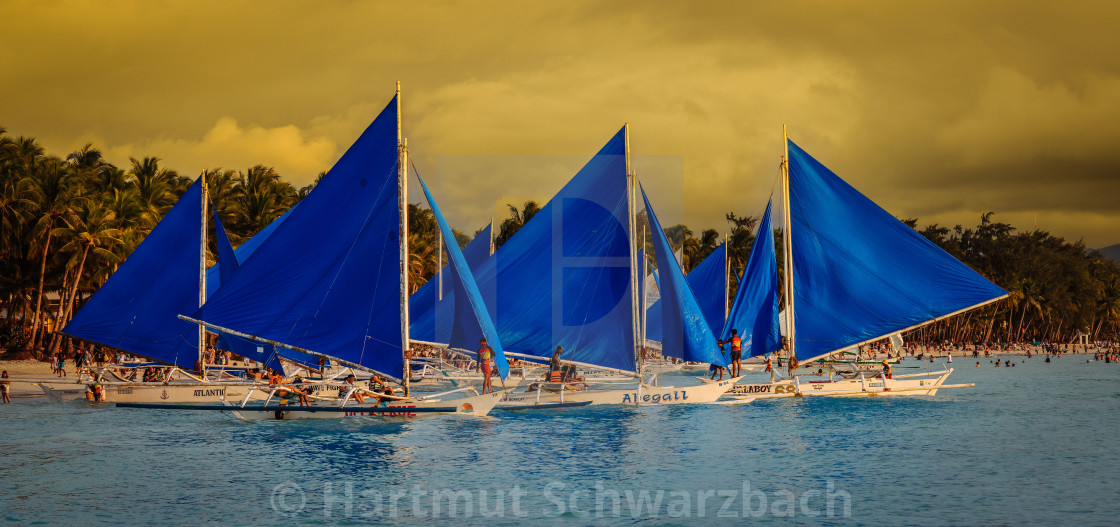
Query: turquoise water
{"x": 1034, "y": 444}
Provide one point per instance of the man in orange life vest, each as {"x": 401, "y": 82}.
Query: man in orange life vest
{"x": 736, "y": 353}
{"x": 484, "y": 355}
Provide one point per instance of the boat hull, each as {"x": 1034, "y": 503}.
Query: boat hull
{"x": 474, "y": 406}
{"x": 647, "y": 396}
{"x": 912, "y": 384}
{"x": 158, "y": 393}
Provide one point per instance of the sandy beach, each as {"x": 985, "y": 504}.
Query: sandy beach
{"x": 30, "y": 369}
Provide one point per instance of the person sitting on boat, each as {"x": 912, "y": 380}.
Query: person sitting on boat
{"x": 297, "y": 388}
{"x": 793, "y": 364}
{"x": 348, "y": 384}
{"x": 887, "y": 370}
{"x": 484, "y": 355}
{"x": 572, "y": 381}
{"x": 769, "y": 363}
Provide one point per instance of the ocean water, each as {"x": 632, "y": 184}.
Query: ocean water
{"x": 1034, "y": 444}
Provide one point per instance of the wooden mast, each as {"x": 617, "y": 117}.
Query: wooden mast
{"x": 787, "y": 247}
{"x": 402, "y": 203}
{"x": 202, "y": 278}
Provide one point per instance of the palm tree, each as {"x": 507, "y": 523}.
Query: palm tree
{"x": 517, "y": 219}
{"x": 54, "y": 196}
{"x": 154, "y": 188}
{"x": 87, "y": 163}
{"x": 91, "y": 231}
{"x": 260, "y": 198}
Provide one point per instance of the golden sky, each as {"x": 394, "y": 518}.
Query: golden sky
{"x": 936, "y": 110}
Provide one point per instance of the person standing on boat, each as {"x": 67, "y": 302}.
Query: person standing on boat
{"x": 554, "y": 364}
{"x": 484, "y": 355}
{"x": 736, "y": 352}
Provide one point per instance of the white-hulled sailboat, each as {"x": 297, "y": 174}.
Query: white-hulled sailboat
{"x": 854, "y": 275}
{"x": 332, "y": 281}
{"x": 569, "y": 278}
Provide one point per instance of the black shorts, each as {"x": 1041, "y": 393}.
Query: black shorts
{"x": 736, "y": 355}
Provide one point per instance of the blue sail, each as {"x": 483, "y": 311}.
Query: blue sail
{"x": 328, "y": 279}
{"x": 137, "y": 309}
{"x": 564, "y": 278}
{"x": 708, "y": 281}
{"x": 227, "y": 266}
{"x": 686, "y": 333}
{"x": 860, "y": 274}
{"x": 227, "y": 258}
{"x": 430, "y": 318}
{"x": 465, "y": 287}
{"x": 754, "y": 313}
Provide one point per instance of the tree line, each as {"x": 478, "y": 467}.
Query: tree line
{"x": 69, "y": 221}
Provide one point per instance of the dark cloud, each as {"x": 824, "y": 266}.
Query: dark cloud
{"x": 940, "y": 110}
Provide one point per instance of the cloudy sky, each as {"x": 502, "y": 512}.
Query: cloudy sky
{"x": 940, "y": 110}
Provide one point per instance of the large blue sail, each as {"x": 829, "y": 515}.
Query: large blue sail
{"x": 708, "y": 281}
{"x": 860, "y": 274}
{"x": 137, "y": 309}
{"x": 328, "y": 278}
{"x": 754, "y": 313}
{"x": 464, "y": 286}
{"x": 686, "y": 333}
{"x": 229, "y": 261}
{"x": 429, "y": 317}
{"x": 564, "y": 278}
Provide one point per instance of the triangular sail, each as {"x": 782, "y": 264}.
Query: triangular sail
{"x": 228, "y": 265}
{"x": 466, "y": 289}
{"x": 328, "y": 279}
{"x": 227, "y": 258}
{"x": 686, "y": 333}
{"x": 564, "y": 278}
{"x": 430, "y": 318}
{"x": 859, "y": 273}
{"x": 754, "y": 313}
{"x": 137, "y": 308}
{"x": 708, "y": 280}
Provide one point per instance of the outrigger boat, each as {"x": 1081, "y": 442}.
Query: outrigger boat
{"x": 855, "y": 275}
{"x": 568, "y": 278}
{"x": 136, "y": 311}
{"x": 332, "y": 281}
